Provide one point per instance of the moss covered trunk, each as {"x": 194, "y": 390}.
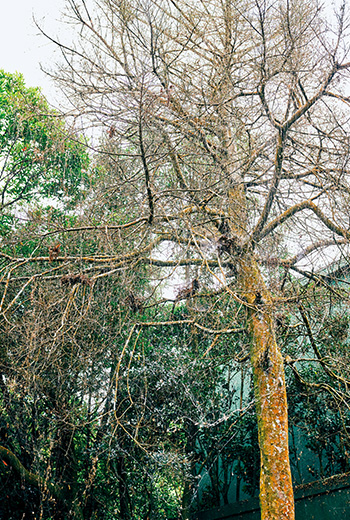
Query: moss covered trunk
{"x": 276, "y": 492}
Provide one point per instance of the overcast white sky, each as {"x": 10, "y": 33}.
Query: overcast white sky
{"x": 21, "y": 47}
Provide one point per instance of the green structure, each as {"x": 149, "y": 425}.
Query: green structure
{"x": 328, "y": 499}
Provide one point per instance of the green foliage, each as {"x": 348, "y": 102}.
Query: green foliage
{"x": 335, "y": 330}
{"x": 39, "y": 157}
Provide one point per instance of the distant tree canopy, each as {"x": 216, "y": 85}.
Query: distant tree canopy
{"x": 39, "y": 157}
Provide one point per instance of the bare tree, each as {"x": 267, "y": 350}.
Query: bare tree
{"x": 225, "y": 126}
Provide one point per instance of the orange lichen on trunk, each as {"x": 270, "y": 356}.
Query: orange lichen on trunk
{"x": 276, "y": 492}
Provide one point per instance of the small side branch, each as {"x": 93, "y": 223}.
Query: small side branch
{"x": 147, "y": 174}
{"x": 313, "y": 343}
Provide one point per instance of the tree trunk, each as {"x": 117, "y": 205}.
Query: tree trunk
{"x": 68, "y": 504}
{"x": 276, "y": 492}
{"x": 124, "y": 497}
{"x": 189, "y": 480}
